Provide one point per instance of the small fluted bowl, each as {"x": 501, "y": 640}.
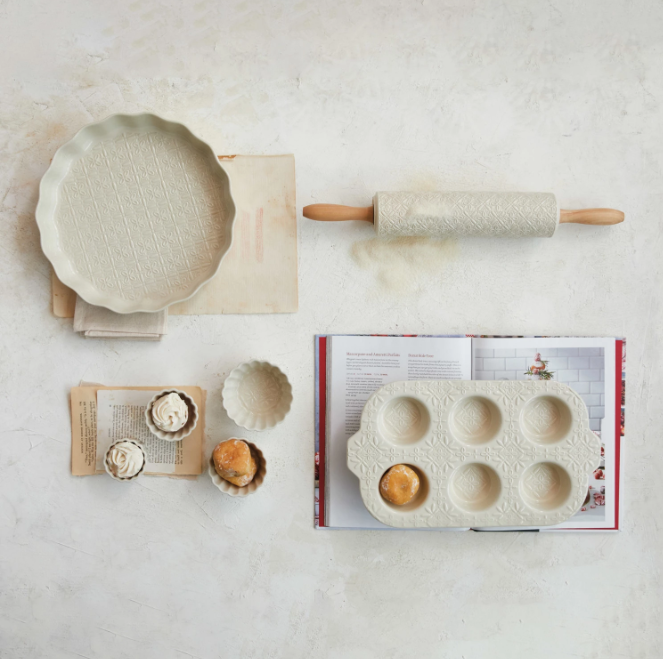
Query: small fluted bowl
{"x": 108, "y": 469}
{"x": 257, "y": 395}
{"x": 183, "y": 432}
{"x": 233, "y": 490}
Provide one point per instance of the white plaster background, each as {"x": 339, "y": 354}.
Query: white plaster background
{"x": 384, "y": 94}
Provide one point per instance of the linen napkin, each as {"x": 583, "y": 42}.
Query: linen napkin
{"x": 99, "y": 323}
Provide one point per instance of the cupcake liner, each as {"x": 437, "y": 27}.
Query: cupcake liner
{"x": 119, "y": 478}
{"x": 234, "y": 491}
{"x": 191, "y": 423}
{"x": 257, "y": 395}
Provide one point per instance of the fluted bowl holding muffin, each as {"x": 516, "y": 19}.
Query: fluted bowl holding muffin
{"x": 237, "y": 467}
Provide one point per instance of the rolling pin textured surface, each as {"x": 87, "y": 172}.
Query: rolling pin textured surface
{"x": 450, "y": 214}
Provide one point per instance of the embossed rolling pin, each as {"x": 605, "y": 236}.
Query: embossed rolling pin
{"x": 454, "y": 214}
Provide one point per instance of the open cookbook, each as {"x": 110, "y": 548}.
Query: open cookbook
{"x": 351, "y": 368}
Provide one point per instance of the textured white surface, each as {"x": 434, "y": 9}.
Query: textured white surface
{"x": 524, "y": 95}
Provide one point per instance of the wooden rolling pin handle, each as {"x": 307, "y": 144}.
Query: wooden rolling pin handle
{"x": 337, "y": 213}
{"x": 597, "y": 216}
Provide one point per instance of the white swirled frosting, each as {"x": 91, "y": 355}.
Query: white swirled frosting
{"x": 170, "y": 413}
{"x": 125, "y": 459}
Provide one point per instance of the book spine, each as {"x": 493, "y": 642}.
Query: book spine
{"x": 322, "y": 428}
{"x": 619, "y": 418}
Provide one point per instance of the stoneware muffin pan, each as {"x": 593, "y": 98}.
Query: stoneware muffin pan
{"x": 183, "y": 432}
{"x": 257, "y": 395}
{"x": 488, "y": 454}
{"x": 233, "y": 490}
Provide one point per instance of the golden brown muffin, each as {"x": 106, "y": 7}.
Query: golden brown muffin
{"x": 242, "y": 481}
{"x": 399, "y": 485}
{"x": 232, "y": 458}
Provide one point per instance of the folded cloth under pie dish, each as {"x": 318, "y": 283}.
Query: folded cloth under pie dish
{"x": 99, "y": 323}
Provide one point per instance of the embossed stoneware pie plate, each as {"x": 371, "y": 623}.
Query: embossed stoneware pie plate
{"x": 135, "y": 213}
{"x": 487, "y": 454}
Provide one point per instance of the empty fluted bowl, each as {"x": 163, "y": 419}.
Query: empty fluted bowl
{"x": 257, "y": 395}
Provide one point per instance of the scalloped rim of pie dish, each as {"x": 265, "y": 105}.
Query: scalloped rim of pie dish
{"x": 50, "y": 190}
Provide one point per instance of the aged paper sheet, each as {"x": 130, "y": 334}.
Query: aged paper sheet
{"x": 102, "y": 415}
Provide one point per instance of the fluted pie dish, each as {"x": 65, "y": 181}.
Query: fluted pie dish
{"x": 135, "y": 213}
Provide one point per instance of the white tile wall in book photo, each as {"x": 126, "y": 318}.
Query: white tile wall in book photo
{"x": 583, "y": 369}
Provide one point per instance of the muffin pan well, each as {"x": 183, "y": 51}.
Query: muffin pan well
{"x": 490, "y": 453}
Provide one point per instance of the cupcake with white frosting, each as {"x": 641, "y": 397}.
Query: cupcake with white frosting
{"x": 171, "y": 415}
{"x": 125, "y": 460}
{"x": 170, "y": 412}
